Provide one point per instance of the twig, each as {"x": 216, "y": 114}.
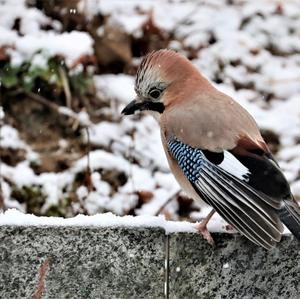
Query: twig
{"x": 66, "y": 86}
{"x": 88, "y": 166}
{"x": 59, "y": 109}
{"x": 88, "y": 149}
{"x": 2, "y": 207}
{"x": 283, "y": 80}
{"x": 130, "y": 158}
{"x": 173, "y": 196}
{"x": 40, "y": 99}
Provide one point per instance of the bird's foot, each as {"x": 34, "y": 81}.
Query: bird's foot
{"x": 202, "y": 229}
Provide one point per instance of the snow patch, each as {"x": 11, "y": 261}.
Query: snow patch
{"x": 16, "y": 218}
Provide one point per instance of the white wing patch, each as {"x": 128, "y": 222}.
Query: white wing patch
{"x": 232, "y": 165}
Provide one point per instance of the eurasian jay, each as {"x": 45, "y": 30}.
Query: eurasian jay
{"x": 215, "y": 149}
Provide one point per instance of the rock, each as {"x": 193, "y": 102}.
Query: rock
{"x": 81, "y": 262}
{"x": 95, "y": 262}
{"x": 234, "y": 269}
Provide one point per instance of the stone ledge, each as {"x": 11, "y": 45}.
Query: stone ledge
{"x": 94, "y": 262}
{"x": 234, "y": 269}
{"x": 81, "y": 262}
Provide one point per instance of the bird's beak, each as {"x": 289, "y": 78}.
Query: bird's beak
{"x": 139, "y": 105}
{"x": 131, "y": 107}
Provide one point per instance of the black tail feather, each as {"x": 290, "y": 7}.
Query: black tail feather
{"x": 290, "y": 216}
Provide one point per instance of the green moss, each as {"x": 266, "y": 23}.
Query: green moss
{"x": 31, "y": 196}
{"x": 81, "y": 83}
{"x": 30, "y": 77}
{"x": 60, "y": 210}
{"x": 34, "y": 199}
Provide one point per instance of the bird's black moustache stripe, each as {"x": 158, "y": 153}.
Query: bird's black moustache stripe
{"x": 153, "y": 106}
{"x": 141, "y": 106}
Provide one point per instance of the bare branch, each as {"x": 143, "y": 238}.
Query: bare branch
{"x": 59, "y": 109}
{"x": 2, "y": 207}
{"x": 66, "y": 86}
{"x": 172, "y": 196}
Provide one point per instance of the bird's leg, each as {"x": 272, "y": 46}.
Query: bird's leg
{"x": 202, "y": 228}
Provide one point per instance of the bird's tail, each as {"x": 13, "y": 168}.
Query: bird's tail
{"x": 290, "y": 216}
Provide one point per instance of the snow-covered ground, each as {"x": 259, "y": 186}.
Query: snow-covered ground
{"x": 35, "y": 44}
{"x": 250, "y": 49}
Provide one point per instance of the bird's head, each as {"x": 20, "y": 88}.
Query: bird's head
{"x": 159, "y": 81}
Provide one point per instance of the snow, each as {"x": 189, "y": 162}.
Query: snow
{"x": 105, "y": 132}
{"x": 16, "y": 218}
{"x": 115, "y": 87}
{"x": 39, "y": 60}
{"x": 2, "y": 114}
{"x": 9, "y": 137}
{"x": 82, "y": 117}
{"x": 31, "y": 19}
{"x": 160, "y": 198}
{"x": 102, "y": 159}
{"x": 71, "y": 45}
{"x": 50, "y": 183}
{"x": 131, "y": 24}
{"x": 295, "y": 187}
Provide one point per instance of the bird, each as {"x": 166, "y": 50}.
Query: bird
{"x": 215, "y": 149}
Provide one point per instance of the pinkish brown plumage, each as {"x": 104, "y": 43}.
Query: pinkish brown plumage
{"x": 172, "y": 68}
{"x": 215, "y": 149}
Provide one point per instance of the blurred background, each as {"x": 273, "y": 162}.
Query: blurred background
{"x": 67, "y": 70}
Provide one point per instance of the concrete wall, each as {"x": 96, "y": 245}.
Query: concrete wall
{"x": 82, "y": 262}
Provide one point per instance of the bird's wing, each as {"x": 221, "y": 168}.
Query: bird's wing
{"x": 244, "y": 189}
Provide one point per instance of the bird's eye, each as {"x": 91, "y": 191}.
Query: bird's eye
{"x": 155, "y": 93}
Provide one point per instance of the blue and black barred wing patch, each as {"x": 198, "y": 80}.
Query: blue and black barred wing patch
{"x": 225, "y": 188}
{"x": 190, "y": 160}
